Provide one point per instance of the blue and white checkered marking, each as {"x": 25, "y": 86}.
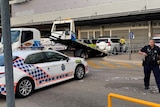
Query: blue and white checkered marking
{"x": 2, "y": 89}
{"x": 32, "y": 70}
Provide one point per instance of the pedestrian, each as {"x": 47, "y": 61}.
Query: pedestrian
{"x": 122, "y": 41}
{"x": 151, "y": 63}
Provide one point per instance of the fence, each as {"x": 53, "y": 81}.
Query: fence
{"x": 126, "y": 49}
{"x": 130, "y": 99}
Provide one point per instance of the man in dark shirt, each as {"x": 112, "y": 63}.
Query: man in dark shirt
{"x": 150, "y": 63}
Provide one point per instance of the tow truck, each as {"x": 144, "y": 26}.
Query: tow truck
{"x": 63, "y": 31}
{"x": 27, "y": 37}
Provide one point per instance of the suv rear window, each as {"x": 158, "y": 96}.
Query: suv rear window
{"x": 115, "y": 40}
{"x": 102, "y": 40}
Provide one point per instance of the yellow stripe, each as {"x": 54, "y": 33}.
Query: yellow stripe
{"x": 125, "y": 64}
{"x": 139, "y": 64}
{"x": 108, "y": 64}
{"x": 92, "y": 64}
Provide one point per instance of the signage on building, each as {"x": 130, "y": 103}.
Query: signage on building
{"x": 131, "y": 35}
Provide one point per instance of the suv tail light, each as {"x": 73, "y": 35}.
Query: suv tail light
{"x": 109, "y": 44}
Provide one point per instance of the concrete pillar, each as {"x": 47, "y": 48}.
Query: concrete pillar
{"x": 110, "y": 33}
{"x": 94, "y": 36}
{"x": 87, "y": 34}
{"x": 101, "y": 30}
{"x": 150, "y": 29}
{"x": 79, "y": 34}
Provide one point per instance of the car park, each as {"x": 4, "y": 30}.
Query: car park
{"x": 34, "y": 69}
{"x": 110, "y": 44}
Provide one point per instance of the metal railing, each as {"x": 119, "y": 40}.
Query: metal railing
{"x": 130, "y": 99}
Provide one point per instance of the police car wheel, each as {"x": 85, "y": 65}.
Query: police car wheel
{"x": 24, "y": 88}
{"x": 79, "y": 72}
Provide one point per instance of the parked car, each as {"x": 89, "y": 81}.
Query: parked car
{"x": 34, "y": 69}
{"x": 90, "y": 42}
{"x": 157, "y": 41}
{"x": 110, "y": 45}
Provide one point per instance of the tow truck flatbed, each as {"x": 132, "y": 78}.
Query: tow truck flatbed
{"x": 79, "y": 47}
{"x": 63, "y": 31}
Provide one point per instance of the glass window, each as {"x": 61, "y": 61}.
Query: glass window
{"x": 2, "y": 59}
{"x": 102, "y": 40}
{"x": 97, "y": 34}
{"x": 26, "y": 36}
{"x": 106, "y": 33}
{"x": 91, "y": 35}
{"x": 62, "y": 27}
{"x": 115, "y": 40}
{"x": 84, "y": 35}
{"x": 36, "y": 58}
{"x": 14, "y": 36}
{"x": 53, "y": 56}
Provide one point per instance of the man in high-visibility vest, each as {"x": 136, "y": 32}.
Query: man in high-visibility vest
{"x": 122, "y": 41}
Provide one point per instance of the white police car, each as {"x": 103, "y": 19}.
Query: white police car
{"x": 39, "y": 68}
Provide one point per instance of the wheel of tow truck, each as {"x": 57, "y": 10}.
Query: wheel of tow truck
{"x": 84, "y": 55}
{"x": 79, "y": 72}
{"x": 102, "y": 45}
{"x": 24, "y": 87}
{"x": 114, "y": 52}
{"x": 103, "y": 54}
{"x": 69, "y": 48}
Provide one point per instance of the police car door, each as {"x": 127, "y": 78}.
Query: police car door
{"x": 37, "y": 66}
{"x": 60, "y": 66}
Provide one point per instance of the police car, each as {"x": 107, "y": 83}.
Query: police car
{"x": 34, "y": 69}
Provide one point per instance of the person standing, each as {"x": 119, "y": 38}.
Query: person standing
{"x": 122, "y": 41}
{"x": 150, "y": 63}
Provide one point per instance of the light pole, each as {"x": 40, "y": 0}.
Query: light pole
{"x": 6, "y": 33}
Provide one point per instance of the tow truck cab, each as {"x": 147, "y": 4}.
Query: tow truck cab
{"x": 63, "y": 29}
{"x": 24, "y": 37}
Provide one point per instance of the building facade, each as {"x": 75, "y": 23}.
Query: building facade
{"x": 93, "y": 18}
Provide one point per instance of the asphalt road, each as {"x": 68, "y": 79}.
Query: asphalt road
{"x": 104, "y": 78}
